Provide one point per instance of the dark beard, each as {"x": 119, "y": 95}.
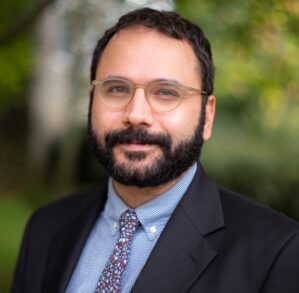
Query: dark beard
{"x": 170, "y": 165}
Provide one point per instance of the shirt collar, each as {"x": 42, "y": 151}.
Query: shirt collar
{"x": 154, "y": 214}
{"x": 114, "y": 208}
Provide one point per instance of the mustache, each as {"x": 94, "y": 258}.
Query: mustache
{"x": 137, "y": 135}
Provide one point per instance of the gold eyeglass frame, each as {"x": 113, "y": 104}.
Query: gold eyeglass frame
{"x": 184, "y": 90}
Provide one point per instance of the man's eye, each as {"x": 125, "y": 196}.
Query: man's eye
{"x": 167, "y": 92}
{"x": 117, "y": 89}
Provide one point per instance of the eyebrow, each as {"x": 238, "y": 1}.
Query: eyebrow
{"x": 154, "y": 80}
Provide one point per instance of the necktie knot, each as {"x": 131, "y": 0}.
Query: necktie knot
{"x": 128, "y": 222}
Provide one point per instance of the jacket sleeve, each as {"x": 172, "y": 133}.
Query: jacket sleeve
{"x": 284, "y": 273}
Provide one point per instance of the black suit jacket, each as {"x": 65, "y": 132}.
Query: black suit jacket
{"x": 215, "y": 242}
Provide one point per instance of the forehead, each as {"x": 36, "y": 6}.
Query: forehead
{"x": 144, "y": 54}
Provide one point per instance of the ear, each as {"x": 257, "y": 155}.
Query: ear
{"x": 209, "y": 118}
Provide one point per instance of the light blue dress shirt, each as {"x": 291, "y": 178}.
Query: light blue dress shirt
{"x": 152, "y": 216}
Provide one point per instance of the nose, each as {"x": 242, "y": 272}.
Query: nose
{"x": 138, "y": 112}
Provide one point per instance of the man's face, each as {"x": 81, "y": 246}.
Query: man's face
{"x": 137, "y": 145}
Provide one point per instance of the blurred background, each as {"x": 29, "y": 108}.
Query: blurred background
{"x": 45, "y": 53}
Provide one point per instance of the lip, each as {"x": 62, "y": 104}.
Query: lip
{"x": 136, "y": 147}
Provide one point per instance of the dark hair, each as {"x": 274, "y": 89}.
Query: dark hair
{"x": 170, "y": 24}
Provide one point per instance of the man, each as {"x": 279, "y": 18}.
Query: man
{"x": 160, "y": 224}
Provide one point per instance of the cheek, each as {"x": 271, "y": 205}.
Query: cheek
{"x": 181, "y": 124}
{"x": 103, "y": 119}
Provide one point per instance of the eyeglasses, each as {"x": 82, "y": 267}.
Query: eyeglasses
{"x": 162, "y": 95}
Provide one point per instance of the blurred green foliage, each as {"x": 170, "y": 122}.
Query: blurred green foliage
{"x": 255, "y": 146}
{"x": 15, "y": 53}
{"x": 15, "y": 67}
{"x": 16, "y": 62}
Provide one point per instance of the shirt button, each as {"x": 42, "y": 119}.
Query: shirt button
{"x": 153, "y": 229}
{"x": 115, "y": 225}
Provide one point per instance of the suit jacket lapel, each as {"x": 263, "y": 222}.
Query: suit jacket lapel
{"x": 182, "y": 253}
{"x": 67, "y": 243}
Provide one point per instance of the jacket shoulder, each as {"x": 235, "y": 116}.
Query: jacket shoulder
{"x": 252, "y": 218}
{"x": 58, "y": 211}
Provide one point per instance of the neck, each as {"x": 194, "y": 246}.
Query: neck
{"x": 134, "y": 196}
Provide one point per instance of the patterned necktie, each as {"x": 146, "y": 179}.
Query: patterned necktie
{"x": 110, "y": 280}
